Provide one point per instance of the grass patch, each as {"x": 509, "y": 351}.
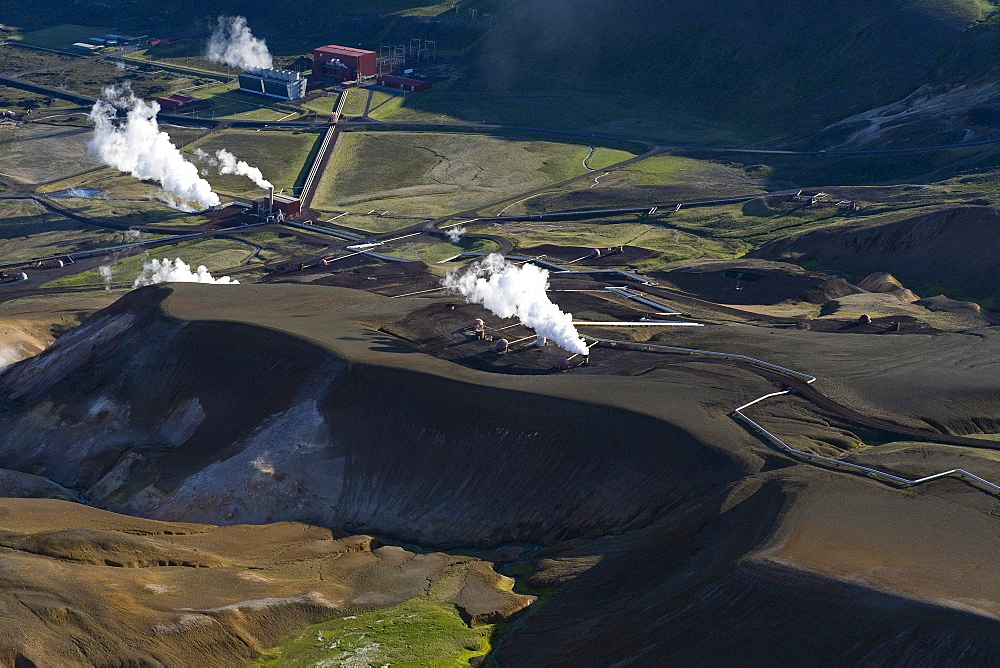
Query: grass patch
{"x": 280, "y": 155}
{"x": 416, "y": 633}
{"x": 673, "y": 243}
{"x": 429, "y": 10}
{"x": 280, "y": 245}
{"x": 660, "y": 179}
{"x": 20, "y": 101}
{"x": 28, "y": 231}
{"x": 155, "y": 55}
{"x": 433, "y": 250}
{"x": 430, "y": 174}
{"x": 62, "y": 36}
{"x": 323, "y": 105}
{"x": 88, "y": 77}
{"x": 397, "y": 107}
{"x": 216, "y": 254}
{"x": 604, "y": 157}
{"x": 356, "y": 102}
{"x": 424, "y": 631}
{"x": 36, "y": 153}
{"x": 225, "y": 100}
{"x": 15, "y": 58}
{"x": 133, "y": 212}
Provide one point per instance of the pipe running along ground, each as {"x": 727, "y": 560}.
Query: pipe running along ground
{"x": 738, "y": 412}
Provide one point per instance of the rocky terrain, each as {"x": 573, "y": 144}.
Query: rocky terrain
{"x": 956, "y": 247}
{"x": 652, "y": 519}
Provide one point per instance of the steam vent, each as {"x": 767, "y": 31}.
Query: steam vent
{"x": 435, "y": 334}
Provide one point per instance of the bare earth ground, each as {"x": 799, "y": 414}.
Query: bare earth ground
{"x": 645, "y": 500}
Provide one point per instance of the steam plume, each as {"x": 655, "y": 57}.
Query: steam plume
{"x": 135, "y": 145}
{"x": 455, "y": 233}
{"x": 508, "y": 290}
{"x": 178, "y": 271}
{"x": 233, "y": 44}
{"x": 107, "y": 273}
{"x": 228, "y": 164}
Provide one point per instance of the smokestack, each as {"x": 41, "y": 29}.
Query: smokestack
{"x": 270, "y": 200}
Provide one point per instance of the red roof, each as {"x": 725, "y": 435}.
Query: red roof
{"x": 393, "y": 80}
{"x": 335, "y": 50}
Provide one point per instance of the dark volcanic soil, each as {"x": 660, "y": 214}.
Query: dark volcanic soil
{"x": 957, "y": 247}
{"x": 665, "y": 531}
{"x": 749, "y": 282}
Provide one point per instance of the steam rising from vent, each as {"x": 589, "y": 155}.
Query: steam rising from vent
{"x": 165, "y": 271}
{"x": 127, "y": 138}
{"x": 107, "y": 273}
{"x": 229, "y": 164}
{"x": 455, "y": 233}
{"x": 233, "y": 44}
{"x": 509, "y": 290}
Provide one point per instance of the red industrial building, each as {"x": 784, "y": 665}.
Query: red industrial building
{"x": 289, "y": 206}
{"x": 177, "y": 102}
{"x": 343, "y": 63}
{"x": 404, "y": 83}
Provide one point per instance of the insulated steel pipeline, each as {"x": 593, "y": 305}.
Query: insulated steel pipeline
{"x": 738, "y": 412}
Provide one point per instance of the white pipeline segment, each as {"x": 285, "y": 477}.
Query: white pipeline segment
{"x": 738, "y": 412}
{"x": 642, "y": 299}
{"x": 955, "y": 473}
{"x": 643, "y": 323}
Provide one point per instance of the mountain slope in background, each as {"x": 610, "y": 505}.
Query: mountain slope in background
{"x": 724, "y": 71}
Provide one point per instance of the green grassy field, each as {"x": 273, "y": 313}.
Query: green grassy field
{"x": 225, "y": 100}
{"x": 34, "y": 153}
{"x": 63, "y": 36}
{"x": 373, "y": 223}
{"x": 424, "y": 631}
{"x": 660, "y": 179}
{"x": 124, "y": 199}
{"x": 281, "y": 156}
{"x": 323, "y": 105}
{"x": 675, "y": 244}
{"x": 132, "y": 212}
{"x": 159, "y": 55}
{"x": 218, "y": 255}
{"x": 432, "y": 250}
{"x": 19, "y": 101}
{"x": 15, "y": 58}
{"x": 357, "y": 101}
{"x": 28, "y": 231}
{"x": 398, "y": 107}
{"x": 280, "y": 245}
{"x": 604, "y": 157}
{"x": 428, "y": 174}
{"x": 88, "y": 77}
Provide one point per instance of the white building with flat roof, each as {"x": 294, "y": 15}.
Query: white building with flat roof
{"x": 283, "y": 84}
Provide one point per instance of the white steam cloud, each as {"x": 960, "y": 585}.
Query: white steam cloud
{"x": 455, "y": 233}
{"x": 508, "y": 290}
{"x": 178, "y": 271}
{"x": 233, "y": 44}
{"x": 229, "y": 164}
{"x": 107, "y": 273}
{"x": 127, "y": 138}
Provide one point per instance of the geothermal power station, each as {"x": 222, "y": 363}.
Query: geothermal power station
{"x": 298, "y": 368}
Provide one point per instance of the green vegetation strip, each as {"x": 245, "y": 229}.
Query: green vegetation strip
{"x": 432, "y": 174}
{"x": 217, "y": 255}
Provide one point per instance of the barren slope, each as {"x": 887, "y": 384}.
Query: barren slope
{"x": 665, "y": 532}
